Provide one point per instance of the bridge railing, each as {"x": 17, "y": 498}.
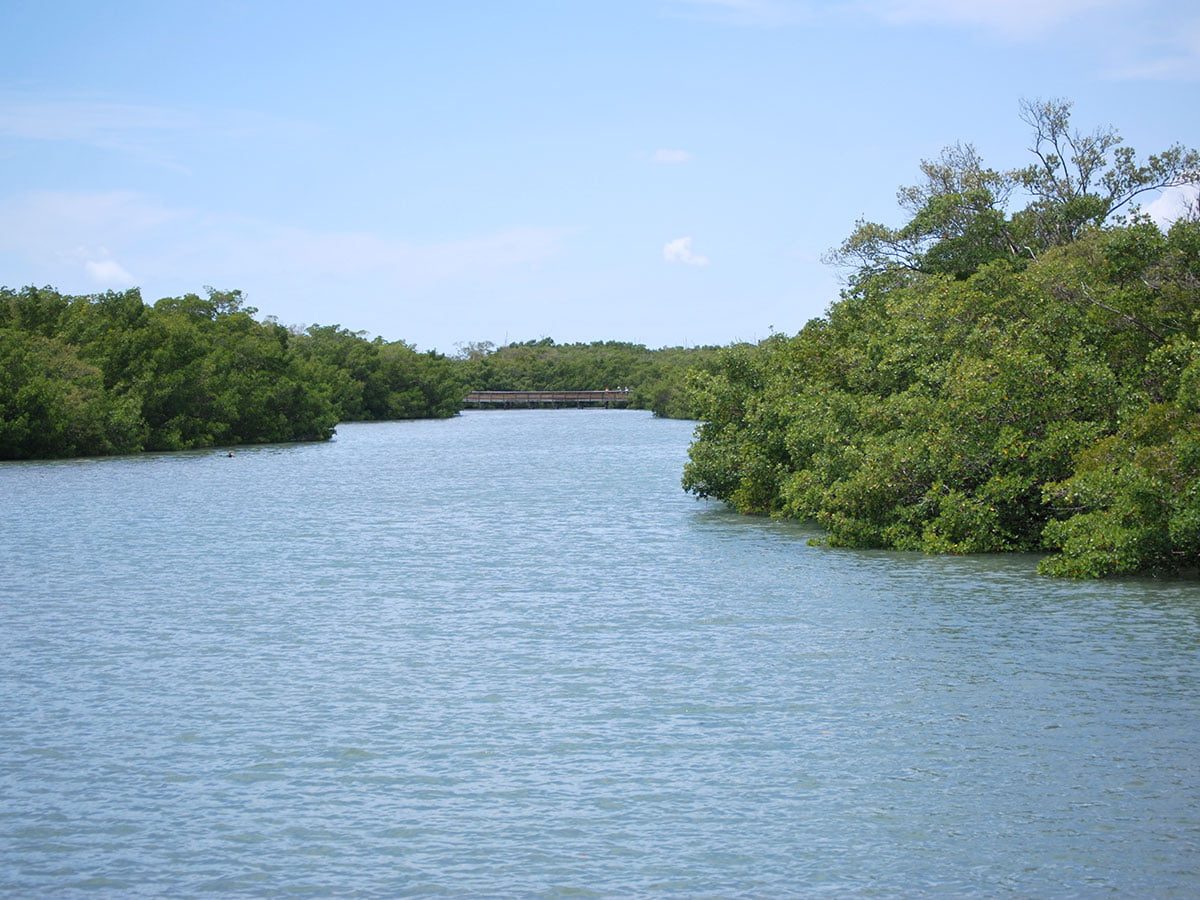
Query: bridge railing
{"x": 510, "y": 399}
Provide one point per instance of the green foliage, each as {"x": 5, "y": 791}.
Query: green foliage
{"x": 52, "y": 403}
{"x": 375, "y": 380}
{"x": 958, "y": 219}
{"x": 956, "y": 223}
{"x": 109, "y": 374}
{"x": 657, "y": 379}
{"x": 989, "y": 382}
{"x": 1136, "y": 493}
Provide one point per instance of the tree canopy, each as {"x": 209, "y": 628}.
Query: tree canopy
{"x": 992, "y": 379}
{"x": 107, "y": 373}
{"x": 958, "y": 214}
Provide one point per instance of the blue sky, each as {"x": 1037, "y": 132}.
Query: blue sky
{"x": 662, "y": 171}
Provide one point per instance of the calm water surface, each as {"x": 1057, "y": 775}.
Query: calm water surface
{"x": 504, "y": 654}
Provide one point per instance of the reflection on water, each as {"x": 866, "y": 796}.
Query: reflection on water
{"x": 505, "y": 654}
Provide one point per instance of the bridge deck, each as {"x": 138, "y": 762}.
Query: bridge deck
{"x": 533, "y": 399}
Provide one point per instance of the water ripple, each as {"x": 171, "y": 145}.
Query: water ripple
{"x": 505, "y": 655}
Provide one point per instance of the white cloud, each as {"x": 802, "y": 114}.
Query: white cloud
{"x": 1010, "y": 18}
{"x": 61, "y": 233}
{"x": 680, "y": 251}
{"x": 1146, "y": 41}
{"x": 108, "y": 272}
{"x": 671, "y": 157}
{"x": 68, "y": 227}
{"x": 1172, "y": 204}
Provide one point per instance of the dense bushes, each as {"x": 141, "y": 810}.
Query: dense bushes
{"x": 109, "y": 374}
{"x": 374, "y": 380}
{"x": 1048, "y": 397}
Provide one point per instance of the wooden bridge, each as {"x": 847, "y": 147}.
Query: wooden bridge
{"x": 545, "y": 399}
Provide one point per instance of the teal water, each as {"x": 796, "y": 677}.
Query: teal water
{"x": 504, "y": 654}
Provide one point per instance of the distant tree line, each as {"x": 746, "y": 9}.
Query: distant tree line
{"x": 108, "y": 373}
{"x": 101, "y": 374}
{"x": 656, "y": 378}
{"x": 991, "y": 379}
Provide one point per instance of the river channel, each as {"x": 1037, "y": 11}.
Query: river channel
{"x": 504, "y": 654}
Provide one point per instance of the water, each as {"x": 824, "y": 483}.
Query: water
{"x": 505, "y": 655}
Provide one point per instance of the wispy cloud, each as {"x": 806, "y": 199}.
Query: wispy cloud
{"x": 407, "y": 263}
{"x": 743, "y": 12}
{"x": 1165, "y": 54}
{"x": 74, "y": 227}
{"x": 91, "y": 121}
{"x": 666, "y": 157}
{"x": 124, "y": 128}
{"x": 1145, "y": 40}
{"x": 1011, "y": 18}
{"x": 1134, "y": 40}
{"x": 1153, "y": 40}
{"x": 86, "y": 233}
{"x": 147, "y": 133}
{"x": 109, "y": 273}
{"x": 68, "y": 234}
{"x": 1008, "y": 18}
{"x": 680, "y": 251}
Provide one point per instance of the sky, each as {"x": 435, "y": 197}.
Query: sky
{"x": 668, "y": 172}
